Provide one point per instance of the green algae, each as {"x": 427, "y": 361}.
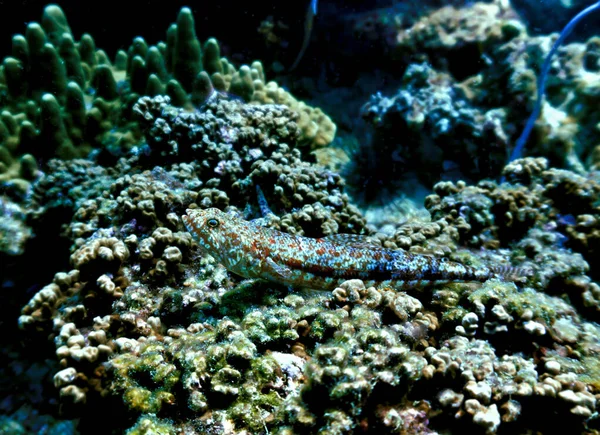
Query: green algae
{"x": 150, "y": 424}
{"x": 274, "y": 326}
{"x": 327, "y": 323}
{"x": 516, "y": 301}
{"x": 146, "y": 379}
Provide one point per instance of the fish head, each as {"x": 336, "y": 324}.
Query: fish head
{"x": 211, "y": 229}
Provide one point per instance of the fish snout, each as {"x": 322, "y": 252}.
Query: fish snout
{"x": 189, "y": 222}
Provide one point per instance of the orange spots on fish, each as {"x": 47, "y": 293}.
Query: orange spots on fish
{"x": 190, "y": 222}
{"x": 255, "y": 248}
{"x": 294, "y": 263}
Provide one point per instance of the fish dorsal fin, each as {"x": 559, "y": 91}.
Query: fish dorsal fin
{"x": 354, "y": 240}
{"x": 259, "y": 222}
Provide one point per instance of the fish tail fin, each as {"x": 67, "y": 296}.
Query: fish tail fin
{"x": 512, "y": 273}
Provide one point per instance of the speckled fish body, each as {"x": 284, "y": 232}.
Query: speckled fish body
{"x": 252, "y": 251}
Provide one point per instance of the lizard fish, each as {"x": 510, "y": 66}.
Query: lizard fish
{"x": 252, "y": 251}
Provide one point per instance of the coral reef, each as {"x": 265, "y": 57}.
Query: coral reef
{"x": 138, "y": 319}
{"x": 145, "y": 318}
{"x": 558, "y": 203}
{"x": 239, "y": 147}
{"x": 62, "y": 98}
{"x": 469, "y": 84}
{"x": 13, "y": 232}
{"x": 437, "y": 124}
{"x": 126, "y": 238}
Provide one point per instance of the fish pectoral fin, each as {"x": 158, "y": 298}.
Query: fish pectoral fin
{"x": 282, "y": 272}
{"x": 311, "y": 292}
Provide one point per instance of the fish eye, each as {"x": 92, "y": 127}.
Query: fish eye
{"x": 212, "y": 223}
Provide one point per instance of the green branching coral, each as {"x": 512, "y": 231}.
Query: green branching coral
{"x": 84, "y": 100}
